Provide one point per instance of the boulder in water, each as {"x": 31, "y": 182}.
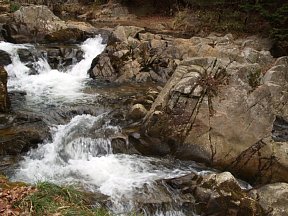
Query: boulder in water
{"x": 21, "y": 132}
{"x": 4, "y": 58}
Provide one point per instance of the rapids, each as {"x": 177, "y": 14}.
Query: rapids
{"x": 80, "y": 151}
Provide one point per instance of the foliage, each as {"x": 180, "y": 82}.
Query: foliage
{"x": 254, "y": 79}
{"x": 14, "y": 6}
{"x": 275, "y": 12}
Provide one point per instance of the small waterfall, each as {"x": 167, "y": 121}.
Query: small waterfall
{"x": 48, "y": 85}
{"x": 79, "y": 154}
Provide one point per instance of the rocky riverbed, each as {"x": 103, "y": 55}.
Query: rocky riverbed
{"x": 158, "y": 123}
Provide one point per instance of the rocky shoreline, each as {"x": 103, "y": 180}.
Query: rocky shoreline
{"x": 220, "y": 101}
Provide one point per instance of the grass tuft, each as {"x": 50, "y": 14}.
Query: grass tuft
{"x": 51, "y": 199}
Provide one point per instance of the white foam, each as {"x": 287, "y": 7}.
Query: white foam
{"x": 74, "y": 156}
{"x": 49, "y": 85}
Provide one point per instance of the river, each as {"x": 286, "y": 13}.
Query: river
{"x": 79, "y": 151}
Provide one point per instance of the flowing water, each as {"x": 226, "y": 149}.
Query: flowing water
{"x": 80, "y": 151}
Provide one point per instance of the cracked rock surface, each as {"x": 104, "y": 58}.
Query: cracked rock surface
{"x": 221, "y": 111}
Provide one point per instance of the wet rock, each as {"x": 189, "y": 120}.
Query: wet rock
{"x": 120, "y": 145}
{"x": 21, "y": 132}
{"x": 213, "y": 194}
{"x": 4, "y": 99}
{"x": 143, "y": 145}
{"x": 137, "y": 111}
{"x": 273, "y": 198}
{"x": 280, "y": 130}
{"x": 26, "y": 55}
{"x": 62, "y": 55}
{"x": 4, "y": 58}
{"x": 210, "y": 108}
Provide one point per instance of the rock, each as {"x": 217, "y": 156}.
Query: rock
{"x": 137, "y": 111}
{"x": 4, "y": 7}
{"x": 277, "y": 80}
{"x": 4, "y": 58}
{"x": 121, "y": 146}
{"x": 215, "y": 108}
{"x": 21, "y": 132}
{"x": 71, "y": 35}
{"x": 122, "y": 33}
{"x": 129, "y": 70}
{"x": 213, "y": 194}
{"x": 102, "y": 69}
{"x": 36, "y": 21}
{"x": 131, "y": 61}
{"x": 280, "y": 130}
{"x": 26, "y": 55}
{"x": 75, "y": 32}
{"x": 109, "y": 13}
{"x": 4, "y": 99}
{"x": 273, "y": 198}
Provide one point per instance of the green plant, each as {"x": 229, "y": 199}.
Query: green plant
{"x": 210, "y": 81}
{"x": 50, "y": 199}
{"x": 14, "y": 6}
{"x": 254, "y": 79}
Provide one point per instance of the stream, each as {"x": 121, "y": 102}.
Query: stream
{"x": 79, "y": 151}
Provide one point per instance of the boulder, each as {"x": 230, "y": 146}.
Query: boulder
{"x": 36, "y": 21}
{"x": 212, "y": 194}
{"x": 122, "y": 33}
{"x": 273, "y": 198}
{"x": 4, "y": 58}
{"x": 137, "y": 111}
{"x": 222, "y": 113}
{"x": 21, "y": 132}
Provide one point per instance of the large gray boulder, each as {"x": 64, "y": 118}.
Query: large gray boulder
{"x": 37, "y": 20}
{"x": 221, "y": 113}
{"x": 37, "y": 23}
